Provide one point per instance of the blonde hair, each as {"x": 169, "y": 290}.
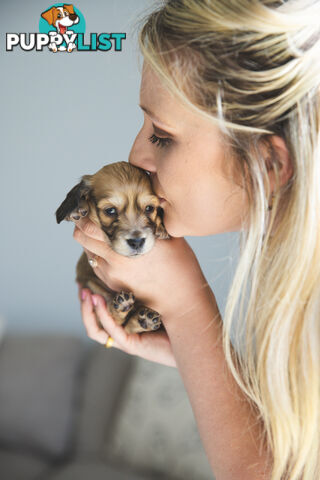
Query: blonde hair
{"x": 252, "y": 67}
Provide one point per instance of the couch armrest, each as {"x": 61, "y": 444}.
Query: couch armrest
{"x": 106, "y": 374}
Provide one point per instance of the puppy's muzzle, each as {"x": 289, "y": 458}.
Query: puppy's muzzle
{"x": 136, "y": 244}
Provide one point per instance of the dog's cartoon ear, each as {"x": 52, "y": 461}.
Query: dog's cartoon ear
{"x": 160, "y": 232}
{"x": 73, "y": 16}
{"x": 69, "y": 7}
{"x": 48, "y": 15}
{"x": 75, "y": 204}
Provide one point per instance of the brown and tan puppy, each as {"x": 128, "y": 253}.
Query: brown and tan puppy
{"x": 120, "y": 200}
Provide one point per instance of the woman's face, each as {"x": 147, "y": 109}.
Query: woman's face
{"x": 189, "y": 165}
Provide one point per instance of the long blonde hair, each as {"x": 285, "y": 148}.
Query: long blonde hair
{"x": 253, "y": 67}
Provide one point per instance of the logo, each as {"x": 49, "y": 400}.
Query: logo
{"x": 62, "y": 29}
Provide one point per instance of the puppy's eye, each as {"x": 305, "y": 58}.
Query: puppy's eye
{"x": 111, "y": 211}
{"x": 59, "y": 15}
{"x": 149, "y": 209}
{"x": 66, "y": 13}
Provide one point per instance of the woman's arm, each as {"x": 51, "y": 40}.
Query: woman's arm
{"x": 227, "y": 425}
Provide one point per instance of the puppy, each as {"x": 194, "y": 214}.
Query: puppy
{"x": 119, "y": 199}
{"x": 61, "y": 18}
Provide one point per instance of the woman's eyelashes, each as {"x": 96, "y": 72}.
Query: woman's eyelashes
{"x": 160, "y": 141}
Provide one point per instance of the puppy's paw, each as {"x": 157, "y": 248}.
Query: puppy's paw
{"x": 79, "y": 212}
{"x": 123, "y": 302}
{"x": 149, "y": 319}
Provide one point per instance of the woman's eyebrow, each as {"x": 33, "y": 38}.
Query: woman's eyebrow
{"x": 151, "y": 114}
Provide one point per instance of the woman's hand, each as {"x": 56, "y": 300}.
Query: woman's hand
{"x": 154, "y": 346}
{"x": 167, "y": 279}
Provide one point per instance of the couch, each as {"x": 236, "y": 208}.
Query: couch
{"x": 71, "y": 409}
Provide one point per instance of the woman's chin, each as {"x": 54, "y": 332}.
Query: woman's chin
{"x": 174, "y": 226}
{"x": 174, "y": 229}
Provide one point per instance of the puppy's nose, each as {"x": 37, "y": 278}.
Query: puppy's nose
{"x": 136, "y": 243}
{"x": 73, "y": 16}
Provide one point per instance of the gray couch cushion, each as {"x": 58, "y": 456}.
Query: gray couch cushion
{"x": 106, "y": 373}
{"x": 38, "y": 390}
{"x": 155, "y": 427}
{"x": 17, "y": 466}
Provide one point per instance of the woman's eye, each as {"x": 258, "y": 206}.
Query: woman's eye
{"x": 149, "y": 209}
{"x": 111, "y": 211}
{"x": 159, "y": 141}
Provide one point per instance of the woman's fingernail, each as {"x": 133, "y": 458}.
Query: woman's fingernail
{"x": 95, "y": 300}
{"x": 84, "y": 294}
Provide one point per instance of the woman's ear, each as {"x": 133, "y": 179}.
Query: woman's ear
{"x": 284, "y": 162}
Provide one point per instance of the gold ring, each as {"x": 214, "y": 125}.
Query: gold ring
{"x": 93, "y": 262}
{"x": 109, "y": 342}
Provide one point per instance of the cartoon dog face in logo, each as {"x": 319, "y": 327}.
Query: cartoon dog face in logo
{"x": 61, "y": 18}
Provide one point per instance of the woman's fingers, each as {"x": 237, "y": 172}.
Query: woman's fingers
{"x": 121, "y": 339}
{"x": 98, "y": 247}
{"x": 154, "y": 346}
{"x": 101, "y": 262}
{"x": 98, "y": 322}
{"x": 94, "y": 331}
{"x": 92, "y": 237}
{"x": 90, "y": 229}
{"x": 100, "y": 325}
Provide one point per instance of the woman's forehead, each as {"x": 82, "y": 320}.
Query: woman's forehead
{"x": 170, "y": 114}
{"x": 161, "y": 105}
{"x": 152, "y": 90}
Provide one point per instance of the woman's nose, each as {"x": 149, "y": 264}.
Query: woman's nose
{"x": 141, "y": 154}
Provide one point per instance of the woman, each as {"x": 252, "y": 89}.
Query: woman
{"x": 230, "y": 94}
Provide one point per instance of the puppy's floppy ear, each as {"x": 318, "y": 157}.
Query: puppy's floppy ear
{"x": 48, "y": 15}
{"x": 75, "y": 204}
{"x": 160, "y": 232}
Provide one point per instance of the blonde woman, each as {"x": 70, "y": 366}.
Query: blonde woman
{"x": 230, "y": 94}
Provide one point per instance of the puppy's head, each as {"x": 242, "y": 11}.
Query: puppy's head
{"x": 120, "y": 200}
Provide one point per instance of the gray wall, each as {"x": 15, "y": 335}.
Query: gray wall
{"x": 63, "y": 115}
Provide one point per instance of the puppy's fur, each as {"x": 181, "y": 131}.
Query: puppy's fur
{"x": 119, "y": 199}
